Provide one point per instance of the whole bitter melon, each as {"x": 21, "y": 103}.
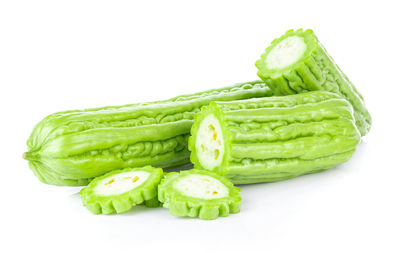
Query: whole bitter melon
{"x": 72, "y": 147}
{"x": 297, "y": 62}
{"x": 274, "y": 138}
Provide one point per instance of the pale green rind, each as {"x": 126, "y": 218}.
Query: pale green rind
{"x": 44, "y": 174}
{"x": 145, "y": 193}
{"x": 72, "y": 147}
{"x": 315, "y": 70}
{"x": 207, "y": 209}
{"x": 276, "y": 138}
{"x": 152, "y": 203}
{"x": 277, "y": 169}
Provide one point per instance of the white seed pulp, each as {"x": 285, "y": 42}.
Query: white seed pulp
{"x": 210, "y": 143}
{"x": 120, "y": 183}
{"x": 202, "y": 187}
{"x": 287, "y": 52}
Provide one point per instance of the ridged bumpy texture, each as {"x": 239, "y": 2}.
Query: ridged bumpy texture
{"x": 72, "y": 147}
{"x": 145, "y": 193}
{"x": 276, "y": 138}
{"x": 180, "y": 204}
{"x": 314, "y": 70}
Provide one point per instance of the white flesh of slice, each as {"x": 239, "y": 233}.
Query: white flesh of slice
{"x": 120, "y": 183}
{"x": 287, "y": 52}
{"x": 202, "y": 187}
{"x": 210, "y": 143}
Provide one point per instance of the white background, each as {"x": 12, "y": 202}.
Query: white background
{"x": 59, "y": 55}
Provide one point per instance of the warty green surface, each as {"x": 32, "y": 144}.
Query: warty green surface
{"x": 180, "y": 204}
{"x": 146, "y": 193}
{"x": 72, "y": 147}
{"x": 276, "y": 138}
{"x": 315, "y": 70}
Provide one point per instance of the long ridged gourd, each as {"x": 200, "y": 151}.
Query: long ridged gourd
{"x": 275, "y": 138}
{"x": 297, "y": 62}
{"x": 72, "y": 147}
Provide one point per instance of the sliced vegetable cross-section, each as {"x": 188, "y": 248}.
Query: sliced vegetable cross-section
{"x": 118, "y": 191}
{"x": 199, "y": 193}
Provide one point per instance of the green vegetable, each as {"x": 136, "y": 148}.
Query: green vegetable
{"x": 119, "y": 190}
{"x": 297, "y": 62}
{"x": 199, "y": 193}
{"x": 152, "y": 203}
{"x": 274, "y": 138}
{"x": 72, "y": 147}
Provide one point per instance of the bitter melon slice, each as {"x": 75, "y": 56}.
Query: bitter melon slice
{"x": 118, "y": 191}
{"x": 199, "y": 193}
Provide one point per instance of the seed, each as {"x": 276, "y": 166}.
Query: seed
{"x": 216, "y": 152}
{"x": 215, "y": 136}
{"x": 214, "y": 192}
{"x": 135, "y": 179}
{"x": 211, "y": 127}
{"x": 111, "y": 181}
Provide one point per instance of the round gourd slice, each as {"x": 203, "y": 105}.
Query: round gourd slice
{"x": 199, "y": 193}
{"x": 118, "y": 191}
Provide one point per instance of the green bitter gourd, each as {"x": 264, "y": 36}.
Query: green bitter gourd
{"x": 199, "y": 193}
{"x": 275, "y": 138}
{"x": 119, "y": 190}
{"x": 72, "y": 147}
{"x": 297, "y": 62}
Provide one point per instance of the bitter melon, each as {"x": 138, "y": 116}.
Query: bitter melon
{"x": 297, "y": 62}
{"x": 72, "y": 147}
{"x": 199, "y": 193}
{"x": 119, "y": 190}
{"x": 274, "y": 138}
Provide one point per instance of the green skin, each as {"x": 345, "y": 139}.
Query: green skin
{"x": 72, "y": 147}
{"x": 145, "y": 194}
{"x": 180, "y": 204}
{"x": 276, "y": 138}
{"x": 315, "y": 70}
